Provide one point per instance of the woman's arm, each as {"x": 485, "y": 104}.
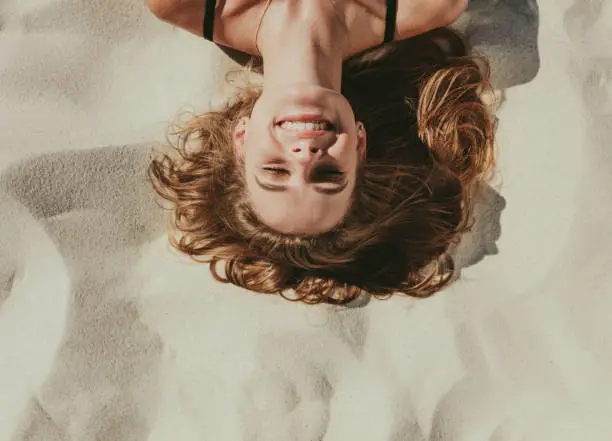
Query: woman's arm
{"x": 186, "y": 14}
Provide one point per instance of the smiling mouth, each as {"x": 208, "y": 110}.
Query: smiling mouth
{"x": 306, "y": 126}
{"x": 307, "y": 130}
{"x": 305, "y": 121}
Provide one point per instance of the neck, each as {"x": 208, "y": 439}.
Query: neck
{"x": 302, "y": 43}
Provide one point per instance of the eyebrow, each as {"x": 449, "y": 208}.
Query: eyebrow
{"x": 280, "y": 187}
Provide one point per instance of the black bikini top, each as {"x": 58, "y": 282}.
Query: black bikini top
{"x": 209, "y": 20}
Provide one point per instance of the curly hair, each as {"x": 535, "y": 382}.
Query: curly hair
{"x": 430, "y": 138}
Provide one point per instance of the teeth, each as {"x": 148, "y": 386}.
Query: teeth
{"x": 302, "y": 125}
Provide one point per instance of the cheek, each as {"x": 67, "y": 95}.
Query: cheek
{"x": 348, "y": 117}
{"x": 248, "y": 179}
{"x": 348, "y": 150}
{"x": 248, "y": 165}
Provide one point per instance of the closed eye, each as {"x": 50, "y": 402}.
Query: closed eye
{"x": 327, "y": 174}
{"x": 276, "y": 171}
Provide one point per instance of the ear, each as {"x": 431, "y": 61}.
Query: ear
{"x": 239, "y": 134}
{"x": 361, "y": 140}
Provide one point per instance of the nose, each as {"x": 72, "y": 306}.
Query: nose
{"x": 304, "y": 153}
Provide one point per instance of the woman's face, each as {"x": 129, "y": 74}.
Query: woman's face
{"x": 301, "y": 149}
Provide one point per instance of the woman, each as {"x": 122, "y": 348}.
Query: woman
{"x": 285, "y": 192}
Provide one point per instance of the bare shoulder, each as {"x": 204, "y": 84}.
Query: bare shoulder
{"x": 187, "y": 14}
{"x": 234, "y": 20}
{"x": 414, "y": 17}
{"x": 417, "y": 16}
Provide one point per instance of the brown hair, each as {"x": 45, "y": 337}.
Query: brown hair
{"x": 430, "y": 137}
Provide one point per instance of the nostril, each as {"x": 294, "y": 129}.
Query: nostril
{"x": 296, "y": 150}
{"x": 314, "y": 150}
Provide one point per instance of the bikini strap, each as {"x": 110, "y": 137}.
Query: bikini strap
{"x": 209, "y": 19}
{"x": 390, "y": 20}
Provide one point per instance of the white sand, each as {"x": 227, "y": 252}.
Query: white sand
{"x": 105, "y": 333}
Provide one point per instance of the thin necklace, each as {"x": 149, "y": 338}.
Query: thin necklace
{"x": 259, "y": 25}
